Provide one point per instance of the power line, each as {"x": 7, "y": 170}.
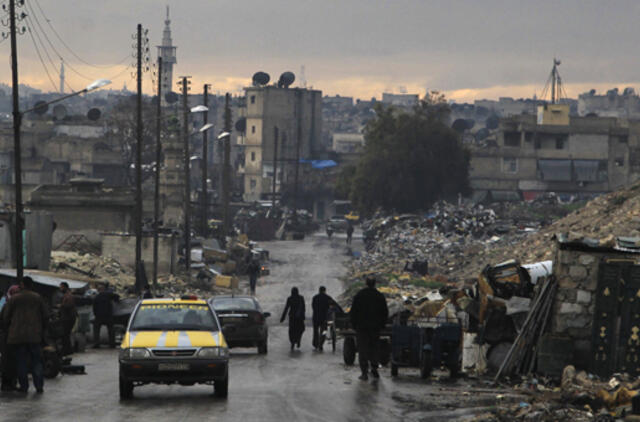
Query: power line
{"x": 44, "y": 48}
{"x": 41, "y": 60}
{"x": 70, "y": 49}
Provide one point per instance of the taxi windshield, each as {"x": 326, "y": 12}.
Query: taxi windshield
{"x": 174, "y": 316}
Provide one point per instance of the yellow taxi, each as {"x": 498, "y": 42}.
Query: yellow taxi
{"x": 173, "y": 341}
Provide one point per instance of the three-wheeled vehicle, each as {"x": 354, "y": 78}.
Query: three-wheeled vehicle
{"x": 339, "y": 325}
{"x": 426, "y": 344}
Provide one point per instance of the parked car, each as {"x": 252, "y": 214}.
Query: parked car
{"x": 244, "y": 324}
{"x": 337, "y": 223}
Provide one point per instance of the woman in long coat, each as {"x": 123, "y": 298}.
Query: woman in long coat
{"x": 295, "y": 309}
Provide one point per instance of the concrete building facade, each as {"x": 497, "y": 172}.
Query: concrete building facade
{"x": 555, "y": 152}
{"x": 297, "y": 115}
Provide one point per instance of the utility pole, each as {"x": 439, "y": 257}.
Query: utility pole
{"x": 296, "y": 173}
{"x": 156, "y": 194}
{"x": 275, "y": 168}
{"x": 225, "y": 174}
{"x": 187, "y": 177}
{"x": 138, "y": 222}
{"x": 17, "y": 157}
{"x": 205, "y": 165}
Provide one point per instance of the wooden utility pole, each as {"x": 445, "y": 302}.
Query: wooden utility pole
{"x": 275, "y": 168}
{"x": 138, "y": 222}
{"x": 296, "y": 173}
{"x": 225, "y": 173}
{"x": 156, "y": 194}
{"x": 17, "y": 156}
{"x": 187, "y": 178}
{"x": 205, "y": 165}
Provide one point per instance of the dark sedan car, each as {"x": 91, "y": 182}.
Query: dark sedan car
{"x": 243, "y": 322}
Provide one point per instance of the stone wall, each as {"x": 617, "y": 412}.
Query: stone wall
{"x": 577, "y": 275}
{"x": 122, "y": 248}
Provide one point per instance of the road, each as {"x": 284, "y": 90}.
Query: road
{"x": 281, "y": 386}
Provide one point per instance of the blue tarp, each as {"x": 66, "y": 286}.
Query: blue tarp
{"x": 320, "y": 164}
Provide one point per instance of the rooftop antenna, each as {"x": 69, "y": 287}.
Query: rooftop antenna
{"x": 555, "y": 82}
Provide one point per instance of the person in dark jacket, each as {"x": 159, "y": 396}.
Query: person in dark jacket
{"x": 368, "y": 315}
{"x": 295, "y": 308}
{"x": 320, "y": 305}
{"x": 254, "y": 271}
{"x": 68, "y": 315}
{"x": 103, "y": 315}
{"x": 25, "y": 318}
{"x": 350, "y": 230}
{"x": 8, "y": 361}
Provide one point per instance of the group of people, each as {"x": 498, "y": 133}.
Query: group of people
{"x": 368, "y": 315}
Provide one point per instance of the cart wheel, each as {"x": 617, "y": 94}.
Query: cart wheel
{"x": 385, "y": 352}
{"x": 349, "y": 350}
{"x": 426, "y": 365}
{"x": 394, "y": 370}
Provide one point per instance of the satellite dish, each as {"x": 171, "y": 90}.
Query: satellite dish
{"x": 492, "y": 122}
{"x": 260, "y": 78}
{"x": 286, "y": 79}
{"x": 459, "y": 125}
{"x": 40, "y": 107}
{"x": 241, "y": 125}
{"x": 171, "y": 97}
{"x": 94, "y": 114}
{"x": 59, "y": 112}
{"x": 482, "y": 134}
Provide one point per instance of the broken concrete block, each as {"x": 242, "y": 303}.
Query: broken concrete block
{"x": 586, "y": 259}
{"x": 577, "y": 272}
{"x": 571, "y": 308}
{"x": 567, "y": 283}
{"x": 226, "y": 281}
{"x": 583, "y": 296}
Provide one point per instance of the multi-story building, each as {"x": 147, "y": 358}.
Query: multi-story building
{"x": 400, "y": 100}
{"x": 612, "y": 104}
{"x": 296, "y": 115}
{"x": 556, "y": 152}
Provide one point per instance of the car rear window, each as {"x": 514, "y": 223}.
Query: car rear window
{"x": 174, "y": 316}
{"x": 234, "y": 303}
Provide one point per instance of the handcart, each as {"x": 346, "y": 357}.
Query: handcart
{"x": 339, "y": 325}
{"x": 426, "y": 343}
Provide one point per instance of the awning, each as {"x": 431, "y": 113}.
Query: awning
{"x": 555, "y": 170}
{"x": 586, "y": 170}
{"x": 46, "y": 280}
{"x": 320, "y": 164}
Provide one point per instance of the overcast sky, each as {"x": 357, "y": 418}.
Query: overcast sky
{"x": 468, "y": 49}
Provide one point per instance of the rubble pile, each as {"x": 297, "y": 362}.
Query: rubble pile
{"x": 605, "y": 217}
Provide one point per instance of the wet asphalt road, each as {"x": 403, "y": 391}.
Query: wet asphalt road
{"x": 282, "y": 386}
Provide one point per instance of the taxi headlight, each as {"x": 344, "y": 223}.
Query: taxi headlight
{"x": 135, "y": 353}
{"x": 213, "y": 352}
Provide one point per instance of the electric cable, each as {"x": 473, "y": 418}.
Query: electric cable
{"x": 41, "y": 60}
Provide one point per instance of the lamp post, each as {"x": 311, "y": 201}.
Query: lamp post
{"x": 17, "y": 122}
{"x": 225, "y": 138}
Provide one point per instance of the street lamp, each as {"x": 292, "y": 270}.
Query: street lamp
{"x": 187, "y": 184}
{"x": 18, "y": 115}
{"x": 225, "y": 138}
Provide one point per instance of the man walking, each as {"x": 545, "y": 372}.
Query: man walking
{"x": 254, "y": 271}
{"x": 349, "y": 232}
{"x": 103, "y": 315}
{"x": 25, "y": 318}
{"x": 368, "y": 315}
{"x": 68, "y": 316}
{"x": 320, "y": 305}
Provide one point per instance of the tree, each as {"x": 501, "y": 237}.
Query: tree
{"x": 410, "y": 160}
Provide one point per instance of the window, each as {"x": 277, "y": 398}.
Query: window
{"x": 512, "y": 139}
{"x": 509, "y": 165}
{"x": 253, "y": 129}
{"x": 253, "y": 156}
{"x": 253, "y": 99}
{"x": 252, "y": 184}
{"x": 559, "y": 143}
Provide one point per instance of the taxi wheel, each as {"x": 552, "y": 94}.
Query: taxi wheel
{"x": 221, "y": 388}
{"x": 126, "y": 389}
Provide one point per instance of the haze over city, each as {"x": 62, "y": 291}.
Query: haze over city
{"x": 466, "y": 49}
